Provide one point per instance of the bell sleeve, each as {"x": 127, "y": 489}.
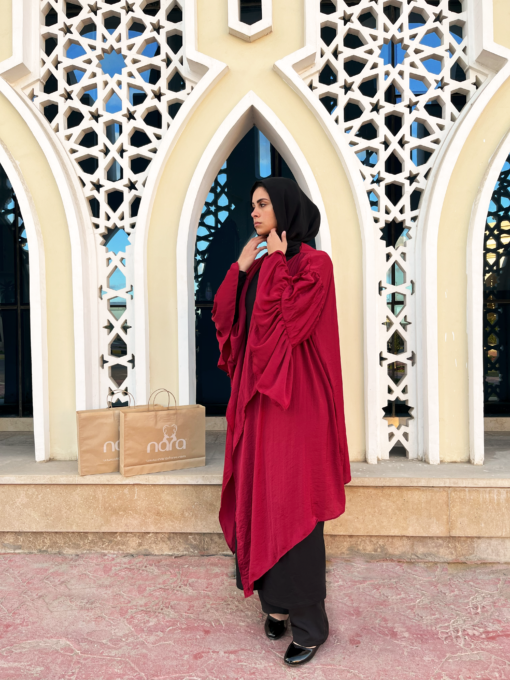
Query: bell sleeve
{"x": 224, "y": 313}
{"x": 286, "y": 312}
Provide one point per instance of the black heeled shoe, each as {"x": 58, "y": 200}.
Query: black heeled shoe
{"x": 296, "y": 655}
{"x": 275, "y": 629}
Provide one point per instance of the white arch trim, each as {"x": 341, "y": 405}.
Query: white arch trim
{"x": 250, "y": 111}
{"x": 487, "y": 55}
{"x": 38, "y": 334}
{"x": 290, "y": 69}
{"x": 475, "y": 266}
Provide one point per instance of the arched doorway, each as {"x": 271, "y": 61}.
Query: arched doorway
{"x": 15, "y": 348}
{"x": 496, "y": 298}
{"x": 224, "y": 227}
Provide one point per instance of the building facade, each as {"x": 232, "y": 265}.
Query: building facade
{"x": 130, "y": 134}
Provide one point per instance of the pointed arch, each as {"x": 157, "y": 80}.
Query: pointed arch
{"x": 82, "y": 252}
{"x": 250, "y": 111}
{"x": 493, "y": 60}
{"x": 474, "y": 267}
{"x": 38, "y": 335}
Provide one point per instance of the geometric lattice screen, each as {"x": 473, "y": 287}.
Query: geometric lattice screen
{"x": 394, "y": 77}
{"x": 496, "y": 280}
{"x": 112, "y": 81}
{"x": 215, "y": 211}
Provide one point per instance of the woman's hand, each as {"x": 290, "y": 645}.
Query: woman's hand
{"x": 275, "y": 243}
{"x": 250, "y": 252}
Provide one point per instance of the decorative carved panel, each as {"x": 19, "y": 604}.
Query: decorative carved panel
{"x": 394, "y": 76}
{"x": 113, "y": 78}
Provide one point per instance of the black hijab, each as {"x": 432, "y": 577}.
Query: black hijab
{"x": 295, "y": 213}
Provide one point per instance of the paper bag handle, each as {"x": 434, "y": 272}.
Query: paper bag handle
{"x": 156, "y": 392}
{"x": 110, "y": 395}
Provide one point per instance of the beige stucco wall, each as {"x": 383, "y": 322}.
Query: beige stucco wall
{"x": 501, "y": 22}
{"x": 251, "y": 68}
{"x": 5, "y": 29}
{"x": 20, "y": 141}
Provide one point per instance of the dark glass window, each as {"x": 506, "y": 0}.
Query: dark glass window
{"x": 15, "y": 354}
{"x": 224, "y": 227}
{"x": 496, "y": 292}
{"x": 250, "y": 11}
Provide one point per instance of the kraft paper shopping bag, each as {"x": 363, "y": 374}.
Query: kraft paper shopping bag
{"x": 98, "y": 436}
{"x": 163, "y": 439}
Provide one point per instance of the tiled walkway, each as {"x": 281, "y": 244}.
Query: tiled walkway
{"x": 98, "y": 617}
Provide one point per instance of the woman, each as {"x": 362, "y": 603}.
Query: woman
{"x": 286, "y": 458}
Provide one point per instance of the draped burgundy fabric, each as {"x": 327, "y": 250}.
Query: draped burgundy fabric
{"x": 286, "y": 458}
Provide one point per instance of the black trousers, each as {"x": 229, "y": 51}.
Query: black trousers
{"x": 310, "y": 625}
{"x": 296, "y": 585}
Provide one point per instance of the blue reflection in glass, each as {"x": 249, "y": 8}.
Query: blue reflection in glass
{"x": 392, "y": 53}
{"x": 74, "y": 76}
{"x": 368, "y": 157}
{"x": 420, "y": 156}
{"x": 432, "y": 39}
{"x": 117, "y": 280}
{"x": 374, "y": 201}
{"x": 264, "y": 156}
{"x": 136, "y": 96}
{"x": 457, "y": 33}
{"x": 112, "y": 63}
{"x": 113, "y": 132}
{"x": 433, "y": 65}
{"x": 74, "y": 51}
{"x": 417, "y": 86}
{"x": 89, "y": 97}
{"x": 419, "y": 130}
{"x": 136, "y": 29}
{"x": 117, "y": 241}
{"x": 114, "y": 104}
{"x": 89, "y": 31}
{"x": 416, "y": 20}
{"x": 151, "y": 49}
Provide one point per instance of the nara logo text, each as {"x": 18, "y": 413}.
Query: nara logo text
{"x": 168, "y": 441}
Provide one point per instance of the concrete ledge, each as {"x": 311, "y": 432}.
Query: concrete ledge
{"x": 216, "y": 424}
{"x": 397, "y": 509}
{"x": 16, "y": 424}
{"x": 402, "y": 548}
{"x": 496, "y": 424}
{"x": 193, "y": 508}
{"x": 141, "y": 543}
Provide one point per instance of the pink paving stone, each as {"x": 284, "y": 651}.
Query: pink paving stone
{"x": 104, "y": 617}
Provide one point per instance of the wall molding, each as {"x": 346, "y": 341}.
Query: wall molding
{"x": 38, "y": 318}
{"x": 256, "y": 30}
{"x": 250, "y": 111}
{"x": 25, "y": 42}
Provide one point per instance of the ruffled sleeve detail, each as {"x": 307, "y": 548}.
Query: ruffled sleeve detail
{"x": 286, "y": 311}
{"x": 224, "y": 309}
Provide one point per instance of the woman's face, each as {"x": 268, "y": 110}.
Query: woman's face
{"x": 263, "y": 215}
